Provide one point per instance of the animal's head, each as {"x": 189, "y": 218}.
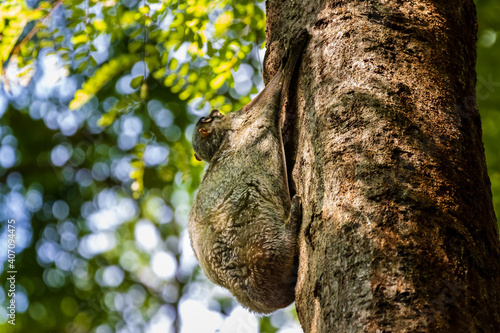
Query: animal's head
{"x": 208, "y": 135}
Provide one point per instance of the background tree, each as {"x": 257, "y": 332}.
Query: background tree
{"x": 96, "y": 167}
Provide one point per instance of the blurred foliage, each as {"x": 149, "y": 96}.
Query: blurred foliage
{"x": 488, "y": 89}
{"x": 97, "y": 110}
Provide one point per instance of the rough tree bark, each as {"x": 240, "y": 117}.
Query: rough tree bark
{"x": 383, "y": 142}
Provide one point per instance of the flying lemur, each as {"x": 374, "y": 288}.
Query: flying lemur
{"x": 243, "y": 225}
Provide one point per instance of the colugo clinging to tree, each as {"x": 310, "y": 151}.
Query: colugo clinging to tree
{"x": 243, "y": 226}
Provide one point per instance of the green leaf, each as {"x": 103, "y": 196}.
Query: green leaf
{"x": 81, "y": 67}
{"x": 136, "y": 82}
{"x": 218, "y": 81}
{"x": 80, "y": 55}
{"x": 173, "y": 64}
{"x": 135, "y": 46}
{"x": 170, "y": 79}
{"x": 210, "y": 49}
{"x": 159, "y": 73}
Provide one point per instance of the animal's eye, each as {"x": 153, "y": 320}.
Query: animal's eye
{"x": 206, "y": 119}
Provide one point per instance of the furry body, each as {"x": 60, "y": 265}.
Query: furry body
{"x": 243, "y": 226}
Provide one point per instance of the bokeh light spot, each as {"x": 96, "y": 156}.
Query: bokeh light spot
{"x": 164, "y": 265}
{"x": 69, "y": 306}
{"x": 60, "y": 209}
{"x": 60, "y": 154}
{"x": 7, "y": 156}
{"x": 37, "y": 311}
{"x": 146, "y": 235}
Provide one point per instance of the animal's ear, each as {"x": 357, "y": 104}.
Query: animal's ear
{"x": 204, "y": 132}
{"x": 215, "y": 113}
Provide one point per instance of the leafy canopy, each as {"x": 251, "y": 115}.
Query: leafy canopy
{"x": 102, "y": 96}
{"x": 190, "y": 47}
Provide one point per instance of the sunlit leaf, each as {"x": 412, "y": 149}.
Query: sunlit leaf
{"x": 223, "y": 22}
{"x": 136, "y": 82}
{"x": 218, "y": 81}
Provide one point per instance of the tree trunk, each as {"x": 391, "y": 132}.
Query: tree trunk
{"x": 383, "y": 143}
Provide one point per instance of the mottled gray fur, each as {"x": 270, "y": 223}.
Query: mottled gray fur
{"x": 243, "y": 226}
